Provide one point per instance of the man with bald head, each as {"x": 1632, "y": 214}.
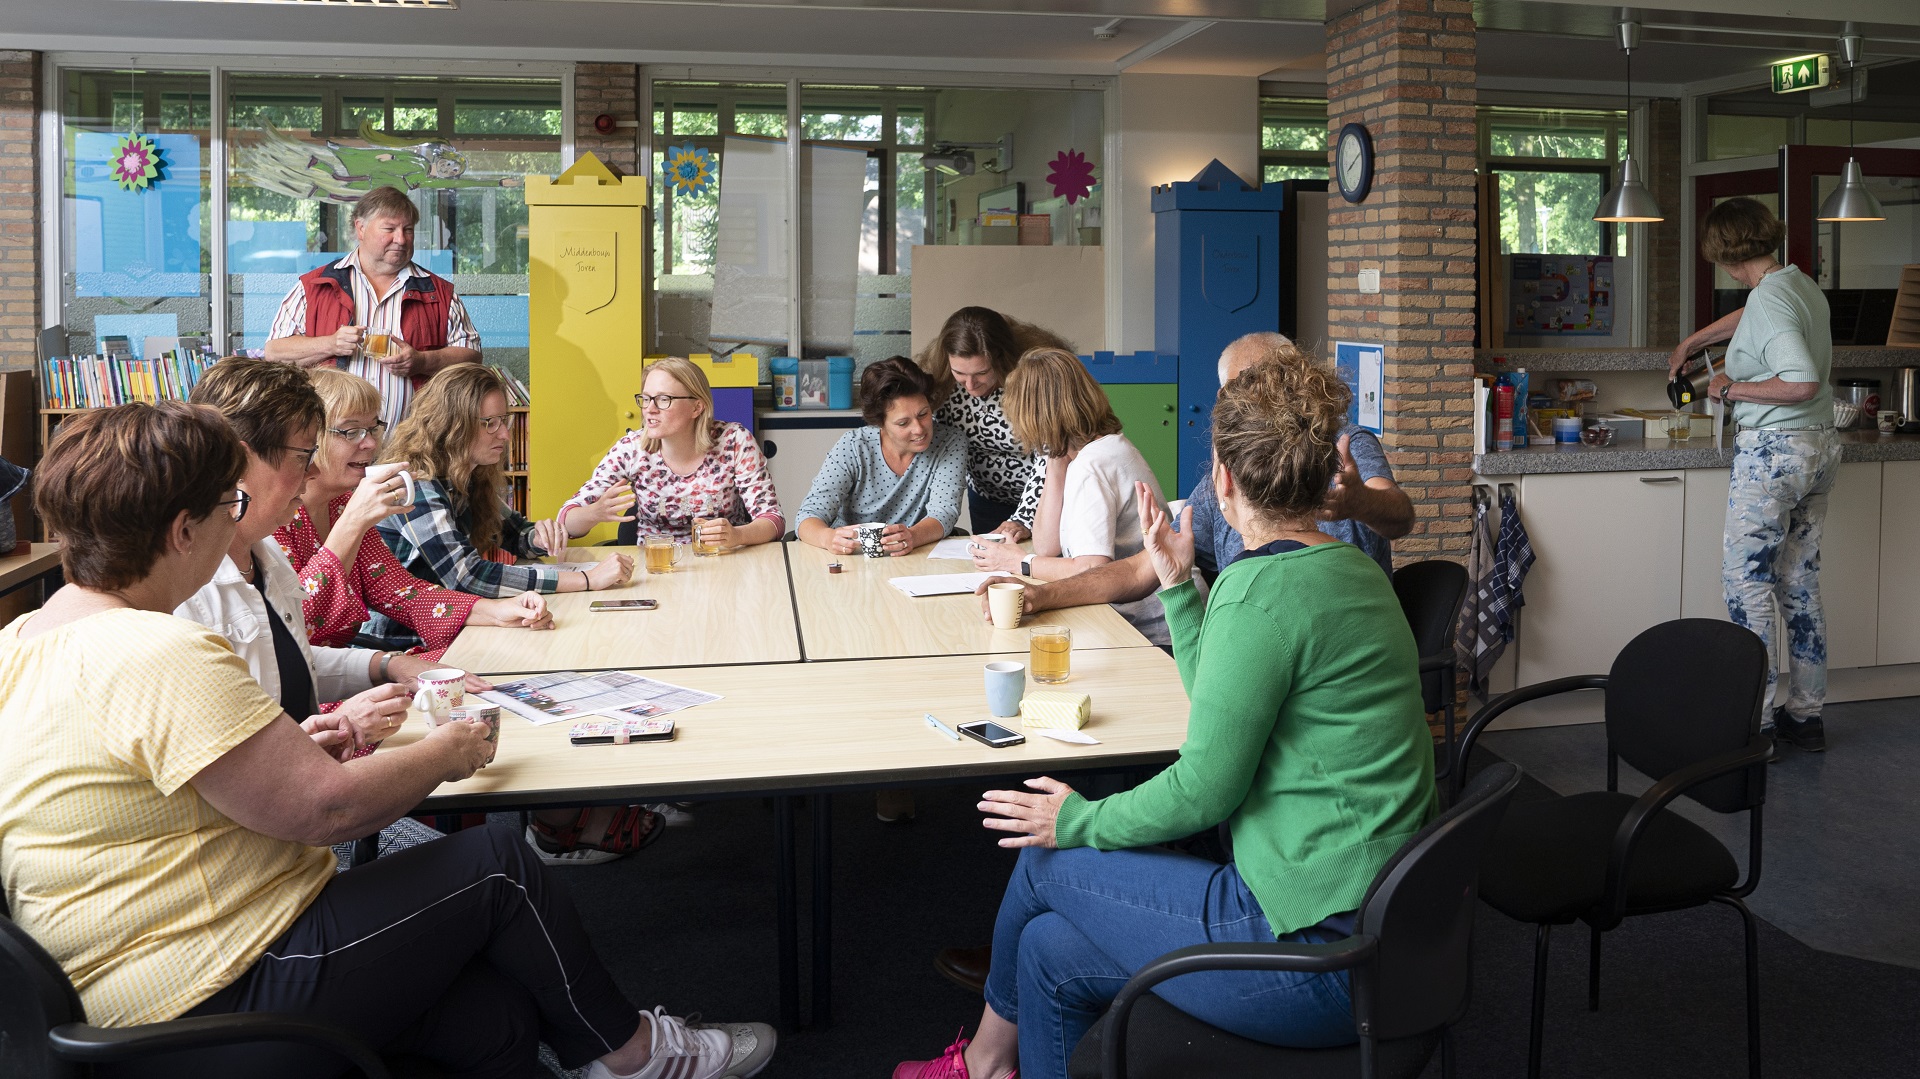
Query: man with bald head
{"x": 1364, "y": 507}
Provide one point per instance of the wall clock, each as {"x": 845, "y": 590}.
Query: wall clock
{"x": 1353, "y": 162}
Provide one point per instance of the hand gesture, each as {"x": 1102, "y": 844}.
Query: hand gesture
{"x": 1031, "y": 815}
{"x": 1345, "y": 482}
{"x": 331, "y": 733}
{"x": 1171, "y": 552}
{"x": 373, "y": 501}
{"x": 1719, "y": 382}
{"x": 716, "y": 532}
{"x": 375, "y": 714}
{"x": 528, "y": 610}
{"x": 896, "y": 540}
{"x": 467, "y": 746}
{"x": 346, "y": 340}
{"x": 403, "y": 359}
{"x": 614, "y": 506}
{"x": 844, "y": 540}
{"x": 612, "y": 572}
{"x": 992, "y": 557}
{"x": 1014, "y": 531}
{"x": 1677, "y": 360}
{"x": 551, "y": 538}
{"x": 406, "y": 671}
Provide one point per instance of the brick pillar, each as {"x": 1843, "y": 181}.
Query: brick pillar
{"x": 20, "y": 315}
{"x": 1665, "y": 247}
{"x": 1405, "y": 69}
{"x": 610, "y": 89}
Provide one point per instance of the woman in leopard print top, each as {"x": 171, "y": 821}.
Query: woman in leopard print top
{"x": 969, "y": 361}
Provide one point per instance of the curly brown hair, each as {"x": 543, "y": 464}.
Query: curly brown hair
{"x": 436, "y": 442}
{"x": 1276, "y": 430}
{"x": 114, "y": 479}
{"x": 982, "y": 331}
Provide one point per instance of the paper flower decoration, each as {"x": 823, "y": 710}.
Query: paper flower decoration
{"x": 136, "y": 163}
{"x": 690, "y": 170}
{"x": 1071, "y": 175}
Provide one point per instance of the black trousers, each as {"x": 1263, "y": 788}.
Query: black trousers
{"x": 460, "y": 951}
{"x": 984, "y": 513}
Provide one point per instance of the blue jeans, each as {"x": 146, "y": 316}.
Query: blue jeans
{"x": 1775, "y": 510}
{"x": 1076, "y": 924}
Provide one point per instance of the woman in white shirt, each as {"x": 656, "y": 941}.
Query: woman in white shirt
{"x": 1088, "y": 515}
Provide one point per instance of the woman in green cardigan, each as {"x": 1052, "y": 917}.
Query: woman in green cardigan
{"x": 1306, "y": 735}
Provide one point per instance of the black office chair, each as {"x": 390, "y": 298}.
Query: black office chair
{"x": 1431, "y": 593}
{"x": 1409, "y": 957}
{"x": 1683, "y": 707}
{"x": 44, "y": 1032}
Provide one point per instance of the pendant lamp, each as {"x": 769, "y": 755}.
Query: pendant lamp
{"x": 1629, "y": 201}
{"x": 1851, "y": 201}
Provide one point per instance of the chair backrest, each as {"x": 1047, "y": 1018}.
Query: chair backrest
{"x": 1421, "y": 908}
{"x": 35, "y": 997}
{"x": 1685, "y": 691}
{"x": 1430, "y": 594}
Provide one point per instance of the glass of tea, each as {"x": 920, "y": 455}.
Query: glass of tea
{"x": 702, "y": 547}
{"x": 1050, "y": 653}
{"x": 662, "y": 553}
{"x": 377, "y": 346}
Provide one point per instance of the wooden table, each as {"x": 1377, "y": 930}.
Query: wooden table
{"x": 730, "y": 609}
{"x": 22, "y": 569}
{"x": 856, "y": 614}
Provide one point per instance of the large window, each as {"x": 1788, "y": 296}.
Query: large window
{"x": 1553, "y": 166}
{"x": 1293, "y": 139}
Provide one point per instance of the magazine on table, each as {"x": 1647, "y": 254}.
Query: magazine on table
{"x": 550, "y": 698}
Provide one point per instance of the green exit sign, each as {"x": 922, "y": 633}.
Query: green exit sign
{"x": 1802, "y": 73}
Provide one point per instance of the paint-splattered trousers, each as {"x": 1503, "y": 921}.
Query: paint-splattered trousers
{"x": 1771, "y": 566}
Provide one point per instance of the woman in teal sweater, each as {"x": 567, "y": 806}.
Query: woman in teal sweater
{"x": 1306, "y": 735}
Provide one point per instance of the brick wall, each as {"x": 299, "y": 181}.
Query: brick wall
{"x": 610, "y": 89}
{"x": 19, "y": 206}
{"x": 1405, "y": 69}
{"x": 1665, "y": 245}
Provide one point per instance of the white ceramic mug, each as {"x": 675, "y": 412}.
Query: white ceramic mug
{"x": 445, "y": 687}
{"x": 1005, "y": 601}
{"x": 383, "y": 472}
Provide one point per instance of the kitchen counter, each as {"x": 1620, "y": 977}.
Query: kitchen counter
{"x": 1576, "y": 360}
{"x": 1641, "y": 455}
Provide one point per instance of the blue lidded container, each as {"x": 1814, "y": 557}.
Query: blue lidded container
{"x": 839, "y": 381}
{"x": 786, "y": 381}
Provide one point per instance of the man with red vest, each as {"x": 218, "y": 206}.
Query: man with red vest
{"x": 377, "y": 291}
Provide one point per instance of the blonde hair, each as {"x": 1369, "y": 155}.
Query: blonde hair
{"x": 1054, "y": 405}
{"x": 343, "y": 395}
{"x": 981, "y": 331}
{"x": 1276, "y": 430}
{"x": 436, "y": 442}
{"x": 694, "y": 381}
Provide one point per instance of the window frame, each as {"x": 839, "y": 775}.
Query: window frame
{"x": 1273, "y": 106}
{"x": 1615, "y": 122}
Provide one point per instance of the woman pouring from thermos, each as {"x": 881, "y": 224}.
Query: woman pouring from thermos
{"x": 1786, "y": 455}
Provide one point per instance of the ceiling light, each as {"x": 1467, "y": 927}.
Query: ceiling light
{"x": 1851, "y": 201}
{"x": 1629, "y": 201}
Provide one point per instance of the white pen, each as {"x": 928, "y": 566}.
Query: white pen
{"x": 942, "y": 727}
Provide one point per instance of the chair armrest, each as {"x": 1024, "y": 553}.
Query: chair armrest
{"x": 1439, "y": 661}
{"x": 1306, "y": 958}
{"x": 1494, "y": 708}
{"x": 1634, "y": 824}
{"x": 100, "y": 1045}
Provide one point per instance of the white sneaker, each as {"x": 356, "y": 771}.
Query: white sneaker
{"x": 576, "y": 856}
{"x": 674, "y": 814}
{"x": 683, "y": 1049}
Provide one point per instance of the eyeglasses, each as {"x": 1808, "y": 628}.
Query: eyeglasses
{"x": 491, "y": 424}
{"x": 355, "y": 434}
{"x": 304, "y": 452}
{"x": 239, "y": 504}
{"x": 661, "y": 401}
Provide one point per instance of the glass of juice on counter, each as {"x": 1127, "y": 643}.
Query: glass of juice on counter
{"x": 1050, "y": 653}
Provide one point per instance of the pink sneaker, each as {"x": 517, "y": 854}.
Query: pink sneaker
{"x": 951, "y": 1064}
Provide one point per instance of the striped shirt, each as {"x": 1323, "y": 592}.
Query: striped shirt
{"x": 379, "y": 313}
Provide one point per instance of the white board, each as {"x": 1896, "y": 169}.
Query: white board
{"x": 750, "y": 258}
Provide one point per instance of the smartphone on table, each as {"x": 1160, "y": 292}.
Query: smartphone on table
{"x": 989, "y": 733}
{"x": 624, "y": 605}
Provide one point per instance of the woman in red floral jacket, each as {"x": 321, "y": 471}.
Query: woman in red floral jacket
{"x": 347, "y": 570}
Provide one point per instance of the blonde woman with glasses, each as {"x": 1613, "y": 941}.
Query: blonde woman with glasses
{"x": 681, "y": 469}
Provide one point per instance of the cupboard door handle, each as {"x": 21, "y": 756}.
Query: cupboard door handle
{"x": 1659, "y": 479}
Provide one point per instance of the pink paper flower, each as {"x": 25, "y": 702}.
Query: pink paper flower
{"x": 1071, "y": 175}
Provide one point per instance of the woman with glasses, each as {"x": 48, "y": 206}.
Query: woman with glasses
{"x": 254, "y": 598}
{"x": 345, "y": 566}
{"x": 680, "y": 469}
{"x": 459, "y": 531}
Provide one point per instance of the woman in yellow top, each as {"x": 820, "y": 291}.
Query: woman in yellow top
{"x": 164, "y": 823}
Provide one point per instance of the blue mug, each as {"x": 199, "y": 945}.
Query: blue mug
{"x": 1006, "y": 684}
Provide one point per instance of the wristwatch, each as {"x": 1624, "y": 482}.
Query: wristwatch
{"x": 1026, "y": 566}
{"x": 1725, "y": 392}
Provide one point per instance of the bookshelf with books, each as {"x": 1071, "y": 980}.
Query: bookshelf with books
{"x": 518, "y": 401}
{"x": 73, "y": 384}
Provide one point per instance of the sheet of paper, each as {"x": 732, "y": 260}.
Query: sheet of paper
{"x": 1372, "y": 389}
{"x": 960, "y": 547}
{"x": 550, "y": 698}
{"x": 1078, "y": 738}
{"x": 574, "y": 567}
{"x": 938, "y": 584}
{"x": 660, "y": 698}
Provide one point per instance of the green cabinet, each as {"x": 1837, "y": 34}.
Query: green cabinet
{"x": 1146, "y": 411}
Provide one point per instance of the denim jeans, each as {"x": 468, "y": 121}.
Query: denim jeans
{"x": 1775, "y": 511}
{"x": 1076, "y": 924}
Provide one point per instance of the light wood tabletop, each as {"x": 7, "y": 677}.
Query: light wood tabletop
{"x": 856, "y": 614}
{"x": 16, "y": 570}
{"x": 728, "y": 609}
{"x": 824, "y": 726}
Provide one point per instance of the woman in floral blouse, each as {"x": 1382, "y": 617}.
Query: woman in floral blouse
{"x": 347, "y": 570}
{"x": 682, "y": 466}
{"x": 969, "y": 361}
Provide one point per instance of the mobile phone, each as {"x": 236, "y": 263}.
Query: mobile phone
{"x": 624, "y": 605}
{"x": 600, "y": 732}
{"x": 989, "y": 733}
